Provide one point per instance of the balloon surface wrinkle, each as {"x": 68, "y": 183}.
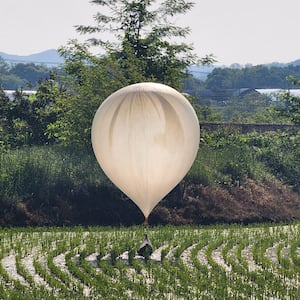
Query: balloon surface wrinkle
{"x": 114, "y": 120}
{"x": 173, "y": 132}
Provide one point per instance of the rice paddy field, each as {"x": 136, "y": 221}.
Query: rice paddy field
{"x": 213, "y": 262}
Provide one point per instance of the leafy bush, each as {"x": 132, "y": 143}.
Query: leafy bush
{"x": 226, "y": 159}
{"x": 281, "y": 155}
{"x": 43, "y": 172}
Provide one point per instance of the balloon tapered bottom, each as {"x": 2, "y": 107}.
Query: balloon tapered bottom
{"x": 146, "y": 223}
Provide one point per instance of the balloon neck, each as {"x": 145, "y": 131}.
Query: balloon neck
{"x": 146, "y": 223}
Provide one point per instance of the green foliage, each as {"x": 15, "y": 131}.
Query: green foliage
{"x": 192, "y": 85}
{"x": 41, "y": 176}
{"x": 12, "y": 82}
{"x": 90, "y": 81}
{"x": 245, "y": 107}
{"x": 4, "y": 66}
{"x": 230, "y": 158}
{"x": 268, "y": 115}
{"x": 224, "y": 91}
{"x": 192, "y": 262}
{"x": 16, "y": 120}
{"x": 142, "y": 52}
{"x": 30, "y": 72}
{"x": 227, "y": 159}
{"x": 55, "y": 185}
{"x": 291, "y": 104}
{"x": 143, "y": 32}
{"x": 25, "y": 118}
{"x": 281, "y": 154}
{"x": 22, "y": 75}
{"x": 256, "y": 77}
{"x": 206, "y": 114}
{"x": 51, "y": 184}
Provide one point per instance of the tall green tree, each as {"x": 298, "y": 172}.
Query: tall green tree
{"x": 144, "y": 34}
{"x": 143, "y": 49}
{"x": 25, "y": 118}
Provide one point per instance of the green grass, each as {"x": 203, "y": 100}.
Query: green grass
{"x": 41, "y": 172}
{"x": 227, "y": 158}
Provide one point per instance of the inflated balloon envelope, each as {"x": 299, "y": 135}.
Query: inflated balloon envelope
{"x": 145, "y": 137}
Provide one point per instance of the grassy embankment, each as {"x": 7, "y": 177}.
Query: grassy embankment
{"x": 235, "y": 178}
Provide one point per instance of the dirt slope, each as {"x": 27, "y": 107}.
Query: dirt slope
{"x": 252, "y": 202}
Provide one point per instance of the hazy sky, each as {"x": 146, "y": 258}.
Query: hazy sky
{"x": 235, "y": 31}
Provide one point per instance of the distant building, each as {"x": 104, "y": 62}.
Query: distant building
{"x": 243, "y": 92}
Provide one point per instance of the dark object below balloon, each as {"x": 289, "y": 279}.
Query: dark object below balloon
{"x": 146, "y": 248}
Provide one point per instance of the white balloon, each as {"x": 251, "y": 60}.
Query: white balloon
{"x": 145, "y": 137}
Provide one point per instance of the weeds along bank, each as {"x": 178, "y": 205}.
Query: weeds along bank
{"x": 235, "y": 178}
{"x": 212, "y": 262}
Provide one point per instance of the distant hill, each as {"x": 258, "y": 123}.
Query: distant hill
{"x": 49, "y": 57}
{"x": 296, "y": 62}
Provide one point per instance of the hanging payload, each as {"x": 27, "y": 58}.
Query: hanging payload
{"x": 146, "y": 248}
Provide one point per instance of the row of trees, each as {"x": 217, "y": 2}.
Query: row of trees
{"x": 22, "y": 75}
{"x": 14, "y": 76}
{"x": 256, "y": 77}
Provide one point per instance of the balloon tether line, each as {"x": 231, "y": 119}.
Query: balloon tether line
{"x": 146, "y": 223}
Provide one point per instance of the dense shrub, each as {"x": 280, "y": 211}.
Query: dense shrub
{"x": 226, "y": 159}
{"x": 281, "y": 155}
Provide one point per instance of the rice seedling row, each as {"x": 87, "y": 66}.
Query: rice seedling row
{"x": 221, "y": 262}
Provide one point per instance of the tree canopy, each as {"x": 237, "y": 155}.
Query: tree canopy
{"x": 145, "y": 35}
{"x": 144, "y": 49}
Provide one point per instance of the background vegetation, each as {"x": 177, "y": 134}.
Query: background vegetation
{"x": 234, "y": 176}
{"x": 49, "y": 175}
{"x": 256, "y": 77}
